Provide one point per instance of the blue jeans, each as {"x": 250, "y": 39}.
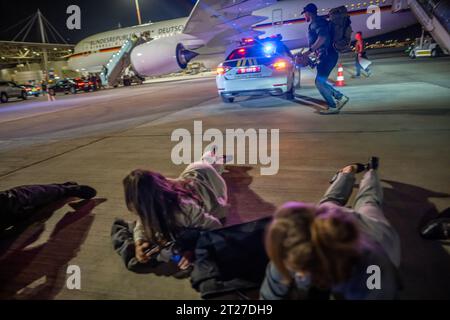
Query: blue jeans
{"x": 324, "y": 68}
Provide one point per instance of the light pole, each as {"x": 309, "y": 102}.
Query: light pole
{"x": 138, "y": 11}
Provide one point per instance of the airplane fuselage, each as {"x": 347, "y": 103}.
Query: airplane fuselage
{"x": 282, "y": 18}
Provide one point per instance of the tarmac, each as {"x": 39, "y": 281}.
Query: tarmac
{"x": 401, "y": 114}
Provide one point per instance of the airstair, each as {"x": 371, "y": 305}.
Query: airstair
{"x": 112, "y": 72}
{"x": 433, "y": 15}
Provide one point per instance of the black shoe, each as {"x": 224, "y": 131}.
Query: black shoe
{"x": 437, "y": 229}
{"x": 374, "y": 163}
{"x": 82, "y": 192}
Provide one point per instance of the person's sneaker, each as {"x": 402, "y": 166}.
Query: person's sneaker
{"x": 211, "y": 157}
{"x": 342, "y": 102}
{"x": 368, "y": 74}
{"x": 82, "y": 192}
{"x": 329, "y": 111}
{"x": 354, "y": 76}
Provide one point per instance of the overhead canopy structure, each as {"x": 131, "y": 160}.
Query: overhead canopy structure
{"x": 13, "y": 53}
{"x": 18, "y": 51}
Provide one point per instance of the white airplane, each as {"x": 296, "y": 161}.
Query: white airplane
{"x": 215, "y": 26}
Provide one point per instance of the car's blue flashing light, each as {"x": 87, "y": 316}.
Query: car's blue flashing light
{"x": 269, "y": 48}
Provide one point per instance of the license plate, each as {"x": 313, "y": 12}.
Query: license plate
{"x": 249, "y": 70}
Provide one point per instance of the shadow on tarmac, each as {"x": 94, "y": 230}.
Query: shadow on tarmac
{"x": 40, "y": 272}
{"x": 245, "y": 204}
{"x": 425, "y": 263}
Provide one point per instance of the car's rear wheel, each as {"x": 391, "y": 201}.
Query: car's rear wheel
{"x": 297, "y": 79}
{"x": 290, "y": 94}
{"x": 23, "y": 95}
{"x": 227, "y": 99}
{"x": 73, "y": 90}
{"x": 3, "y": 98}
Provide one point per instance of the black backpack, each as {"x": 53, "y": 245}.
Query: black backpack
{"x": 340, "y": 29}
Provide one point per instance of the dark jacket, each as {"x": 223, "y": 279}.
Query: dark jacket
{"x": 227, "y": 259}
{"x": 230, "y": 259}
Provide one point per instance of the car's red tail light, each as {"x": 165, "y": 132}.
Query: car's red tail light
{"x": 280, "y": 65}
{"x": 222, "y": 70}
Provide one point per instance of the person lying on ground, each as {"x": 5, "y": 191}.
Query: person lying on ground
{"x": 328, "y": 250}
{"x": 18, "y": 205}
{"x": 197, "y": 199}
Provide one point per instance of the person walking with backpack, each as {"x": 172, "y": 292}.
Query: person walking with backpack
{"x": 360, "y": 56}
{"x": 321, "y": 34}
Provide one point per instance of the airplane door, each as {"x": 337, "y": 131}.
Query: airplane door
{"x": 277, "y": 17}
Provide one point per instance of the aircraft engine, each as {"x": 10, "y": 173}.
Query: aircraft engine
{"x": 161, "y": 56}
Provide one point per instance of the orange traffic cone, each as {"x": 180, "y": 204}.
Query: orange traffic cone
{"x": 340, "y": 81}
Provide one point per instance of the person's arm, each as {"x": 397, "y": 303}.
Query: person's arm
{"x": 316, "y": 45}
{"x": 139, "y": 232}
{"x": 273, "y": 287}
{"x": 142, "y": 244}
{"x": 319, "y": 42}
{"x": 196, "y": 217}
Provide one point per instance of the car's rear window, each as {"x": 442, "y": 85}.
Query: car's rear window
{"x": 257, "y": 51}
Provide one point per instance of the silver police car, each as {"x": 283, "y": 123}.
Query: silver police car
{"x": 257, "y": 67}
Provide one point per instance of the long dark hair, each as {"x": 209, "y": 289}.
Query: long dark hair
{"x": 156, "y": 200}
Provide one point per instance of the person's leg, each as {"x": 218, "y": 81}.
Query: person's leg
{"x": 322, "y": 85}
{"x": 328, "y": 91}
{"x": 333, "y": 60}
{"x": 368, "y": 204}
{"x": 336, "y": 93}
{"x": 369, "y": 198}
{"x": 341, "y": 189}
{"x": 358, "y": 67}
{"x": 20, "y": 202}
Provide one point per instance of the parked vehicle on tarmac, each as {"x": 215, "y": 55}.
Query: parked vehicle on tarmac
{"x": 65, "y": 86}
{"x": 32, "y": 90}
{"x": 84, "y": 85}
{"x": 9, "y": 89}
{"x": 425, "y": 47}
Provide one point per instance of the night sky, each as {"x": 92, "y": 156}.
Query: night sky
{"x": 96, "y": 15}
